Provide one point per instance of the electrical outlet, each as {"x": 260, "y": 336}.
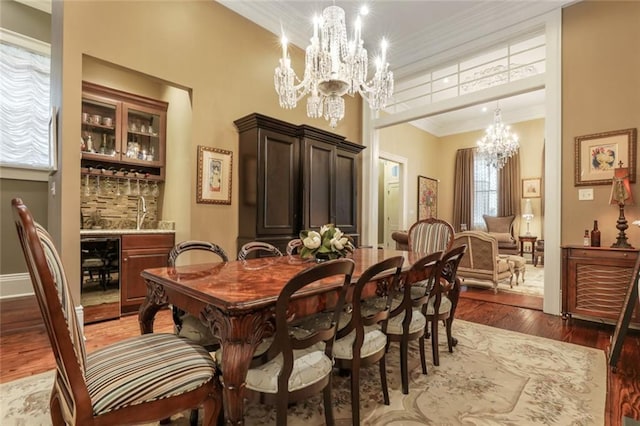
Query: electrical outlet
{"x": 585, "y": 194}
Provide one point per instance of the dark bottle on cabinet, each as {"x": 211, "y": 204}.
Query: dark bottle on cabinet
{"x": 595, "y": 235}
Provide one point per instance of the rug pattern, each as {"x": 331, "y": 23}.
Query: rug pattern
{"x": 493, "y": 377}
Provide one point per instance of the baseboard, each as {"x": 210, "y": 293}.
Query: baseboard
{"x": 15, "y": 285}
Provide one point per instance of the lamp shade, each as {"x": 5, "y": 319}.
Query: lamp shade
{"x": 620, "y": 187}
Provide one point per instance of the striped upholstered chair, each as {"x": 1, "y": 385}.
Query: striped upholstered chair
{"x": 138, "y": 380}
{"x": 431, "y": 235}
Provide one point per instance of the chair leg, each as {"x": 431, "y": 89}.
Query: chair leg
{"x": 383, "y": 380}
{"x": 211, "y": 412}
{"x": 447, "y": 325}
{"x": 328, "y": 410}
{"x": 423, "y": 357}
{"x": 355, "y": 392}
{"x": 281, "y": 410}
{"x": 434, "y": 342}
{"x": 403, "y": 366}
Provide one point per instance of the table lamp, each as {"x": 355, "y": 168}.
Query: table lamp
{"x": 621, "y": 196}
{"x": 527, "y": 214}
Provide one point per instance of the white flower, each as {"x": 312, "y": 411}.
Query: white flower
{"x": 324, "y": 229}
{"x": 339, "y": 243}
{"x": 338, "y": 234}
{"x": 313, "y": 240}
{"x": 636, "y": 222}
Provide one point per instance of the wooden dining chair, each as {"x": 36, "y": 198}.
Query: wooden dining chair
{"x": 186, "y": 325}
{"x": 406, "y": 320}
{"x": 293, "y": 246}
{"x": 258, "y": 247}
{"x": 361, "y": 342}
{"x": 141, "y": 379}
{"x": 440, "y": 307}
{"x": 299, "y": 364}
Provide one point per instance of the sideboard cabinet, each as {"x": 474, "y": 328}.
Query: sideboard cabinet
{"x": 595, "y": 281}
{"x": 294, "y": 178}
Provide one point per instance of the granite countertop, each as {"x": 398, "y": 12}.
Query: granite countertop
{"x": 125, "y": 231}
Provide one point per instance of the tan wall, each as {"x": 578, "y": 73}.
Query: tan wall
{"x": 36, "y": 24}
{"x": 601, "y": 88}
{"x": 417, "y": 146}
{"x": 224, "y": 60}
{"x": 531, "y": 135}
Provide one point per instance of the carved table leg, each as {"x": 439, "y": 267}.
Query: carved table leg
{"x": 156, "y": 299}
{"x": 239, "y": 337}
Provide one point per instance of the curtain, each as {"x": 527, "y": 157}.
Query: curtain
{"x": 463, "y": 189}
{"x": 509, "y": 187}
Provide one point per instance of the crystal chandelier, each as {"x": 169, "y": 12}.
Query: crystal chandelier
{"x": 334, "y": 67}
{"x": 498, "y": 144}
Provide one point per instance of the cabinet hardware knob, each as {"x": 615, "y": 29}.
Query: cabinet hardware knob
{"x": 125, "y": 259}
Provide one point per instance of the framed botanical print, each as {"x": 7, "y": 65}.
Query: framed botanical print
{"x": 531, "y": 188}
{"x": 214, "y": 175}
{"x": 597, "y": 155}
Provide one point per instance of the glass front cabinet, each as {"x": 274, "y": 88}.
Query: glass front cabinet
{"x": 122, "y": 132}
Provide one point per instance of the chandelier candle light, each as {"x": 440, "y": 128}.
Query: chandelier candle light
{"x": 498, "y": 144}
{"x": 334, "y": 67}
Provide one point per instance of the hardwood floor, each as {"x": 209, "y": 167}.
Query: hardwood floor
{"x": 26, "y": 351}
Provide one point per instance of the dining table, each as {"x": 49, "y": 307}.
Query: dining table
{"x": 236, "y": 299}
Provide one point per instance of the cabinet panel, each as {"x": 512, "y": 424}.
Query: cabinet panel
{"x": 595, "y": 282}
{"x": 140, "y": 252}
{"x": 346, "y": 196}
{"x": 319, "y": 184}
{"x": 279, "y": 178}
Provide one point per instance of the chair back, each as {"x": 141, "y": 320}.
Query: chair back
{"x": 285, "y": 341}
{"x": 184, "y": 246}
{"x": 430, "y": 235}
{"x": 447, "y": 272}
{"x": 258, "y": 246}
{"x": 482, "y": 250}
{"x": 56, "y": 305}
{"x": 293, "y": 246}
{"x": 360, "y": 319}
{"x": 416, "y": 287}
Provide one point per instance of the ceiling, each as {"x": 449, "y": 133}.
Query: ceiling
{"x": 422, "y": 35}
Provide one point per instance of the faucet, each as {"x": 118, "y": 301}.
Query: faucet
{"x": 140, "y": 217}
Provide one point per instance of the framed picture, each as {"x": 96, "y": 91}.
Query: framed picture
{"x": 214, "y": 175}
{"x": 531, "y": 188}
{"x": 427, "y": 197}
{"x": 597, "y": 155}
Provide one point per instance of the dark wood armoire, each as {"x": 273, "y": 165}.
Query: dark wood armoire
{"x": 293, "y": 178}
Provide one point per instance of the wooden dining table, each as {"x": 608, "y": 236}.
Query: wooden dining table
{"x": 237, "y": 299}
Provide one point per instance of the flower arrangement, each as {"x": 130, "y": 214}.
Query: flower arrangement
{"x": 329, "y": 243}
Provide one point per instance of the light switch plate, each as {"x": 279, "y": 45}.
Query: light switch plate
{"x": 585, "y": 194}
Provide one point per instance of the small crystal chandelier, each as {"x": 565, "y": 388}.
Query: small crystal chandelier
{"x": 334, "y": 66}
{"x": 498, "y": 144}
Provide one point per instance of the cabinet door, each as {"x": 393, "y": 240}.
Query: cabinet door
{"x": 278, "y": 183}
{"x": 100, "y": 119}
{"x": 319, "y": 179}
{"x": 134, "y": 287}
{"x": 143, "y": 135}
{"x": 345, "y": 189}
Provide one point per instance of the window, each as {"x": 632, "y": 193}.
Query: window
{"x": 485, "y": 197}
{"x": 24, "y": 102}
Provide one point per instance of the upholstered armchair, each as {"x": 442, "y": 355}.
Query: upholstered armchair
{"x": 501, "y": 227}
{"x": 482, "y": 261}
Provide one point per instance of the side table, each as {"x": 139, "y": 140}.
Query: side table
{"x": 527, "y": 239}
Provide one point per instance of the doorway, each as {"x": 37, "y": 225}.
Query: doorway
{"x": 390, "y": 199}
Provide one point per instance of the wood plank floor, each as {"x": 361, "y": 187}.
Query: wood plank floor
{"x": 26, "y": 351}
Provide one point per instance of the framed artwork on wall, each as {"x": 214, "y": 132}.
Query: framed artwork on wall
{"x": 427, "y": 197}
{"x": 531, "y": 188}
{"x": 214, "y": 175}
{"x": 597, "y": 155}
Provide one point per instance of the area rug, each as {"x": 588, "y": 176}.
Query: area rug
{"x": 532, "y": 286}
{"x": 493, "y": 377}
